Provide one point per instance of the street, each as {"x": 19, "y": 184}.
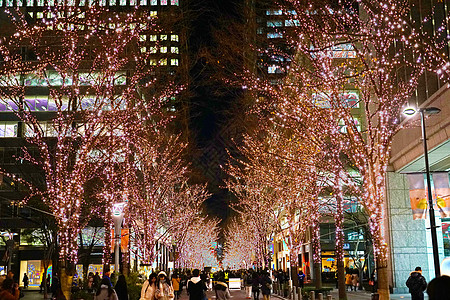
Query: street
{"x": 240, "y": 295}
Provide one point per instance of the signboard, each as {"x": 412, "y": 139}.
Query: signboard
{"x": 234, "y": 284}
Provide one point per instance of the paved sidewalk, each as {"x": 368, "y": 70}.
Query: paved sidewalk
{"x": 361, "y": 295}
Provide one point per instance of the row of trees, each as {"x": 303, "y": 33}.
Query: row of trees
{"x": 325, "y": 129}
{"x": 106, "y": 135}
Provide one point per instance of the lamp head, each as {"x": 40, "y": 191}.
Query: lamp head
{"x": 410, "y": 111}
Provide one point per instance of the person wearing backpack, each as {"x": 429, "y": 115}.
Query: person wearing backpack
{"x": 416, "y": 284}
{"x": 248, "y": 284}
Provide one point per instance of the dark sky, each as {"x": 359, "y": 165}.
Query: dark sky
{"x": 211, "y": 98}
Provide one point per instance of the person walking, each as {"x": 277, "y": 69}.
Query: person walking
{"x": 255, "y": 286}
{"x": 248, "y": 284}
{"x": 105, "y": 292}
{"x": 25, "y": 280}
{"x": 439, "y": 288}
{"x": 301, "y": 279}
{"x": 121, "y": 288}
{"x": 416, "y": 284}
{"x": 9, "y": 290}
{"x": 355, "y": 281}
{"x": 164, "y": 290}
{"x": 222, "y": 291}
{"x": 348, "y": 281}
{"x": 266, "y": 285}
{"x": 149, "y": 288}
{"x": 176, "y": 280}
{"x": 196, "y": 287}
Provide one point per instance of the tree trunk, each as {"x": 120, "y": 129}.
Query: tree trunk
{"x": 383, "y": 279}
{"x": 317, "y": 275}
{"x": 66, "y": 279}
{"x": 339, "y": 250}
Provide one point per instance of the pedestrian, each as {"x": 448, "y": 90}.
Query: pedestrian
{"x": 196, "y": 287}
{"x": 55, "y": 285}
{"x": 416, "y": 284}
{"x": 439, "y": 288}
{"x": 255, "y": 286}
{"x": 9, "y": 290}
{"x": 41, "y": 286}
{"x": 107, "y": 276}
{"x": 25, "y": 280}
{"x": 355, "y": 281}
{"x": 266, "y": 285}
{"x": 176, "y": 284}
{"x": 221, "y": 290}
{"x": 90, "y": 282}
{"x": 348, "y": 281}
{"x": 96, "y": 280}
{"x": 164, "y": 290}
{"x": 121, "y": 288}
{"x": 248, "y": 284}
{"x": 149, "y": 288}
{"x": 301, "y": 279}
{"x": 49, "y": 280}
{"x": 105, "y": 292}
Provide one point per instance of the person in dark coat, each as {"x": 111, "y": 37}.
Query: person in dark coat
{"x": 416, "y": 284}
{"x": 25, "y": 280}
{"x": 255, "y": 286}
{"x": 439, "y": 288}
{"x": 121, "y": 288}
{"x": 266, "y": 285}
{"x": 196, "y": 287}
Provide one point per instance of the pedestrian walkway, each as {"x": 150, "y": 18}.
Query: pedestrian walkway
{"x": 361, "y": 295}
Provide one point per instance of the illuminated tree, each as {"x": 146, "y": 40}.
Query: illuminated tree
{"x": 342, "y": 52}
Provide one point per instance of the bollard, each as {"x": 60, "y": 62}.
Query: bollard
{"x": 320, "y": 295}
{"x": 312, "y": 295}
{"x": 329, "y": 297}
{"x": 299, "y": 293}
{"x": 293, "y": 293}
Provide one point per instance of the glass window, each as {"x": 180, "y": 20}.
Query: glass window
{"x": 152, "y": 62}
{"x": 446, "y": 236}
{"x": 133, "y": 2}
{"x": 343, "y": 127}
{"x": 174, "y": 62}
{"x": 163, "y": 37}
{"x": 9, "y": 2}
{"x": 152, "y": 49}
{"x": 30, "y": 3}
{"x": 143, "y": 49}
{"x": 153, "y": 38}
{"x": 153, "y": 2}
{"x": 153, "y": 13}
{"x": 112, "y": 2}
{"x": 174, "y": 2}
{"x": 174, "y": 37}
{"x": 291, "y": 22}
{"x": 19, "y": 3}
{"x": 122, "y": 2}
{"x": 8, "y": 129}
{"x": 163, "y": 49}
{"x": 163, "y": 62}
{"x": 143, "y": 2}
{"x": 163, "y": 2}
{"x": 273, "y": 12}
{"x": 40, "y": 2}
{"x": 142, "y": 38}
{"x": 174, "y": 50}
{"x": 274, "y": 23}
{"x": 274, "y": 35}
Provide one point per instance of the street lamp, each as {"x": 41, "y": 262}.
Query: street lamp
{"x": 118, "y": 213}
{"x": 410, "y": 111}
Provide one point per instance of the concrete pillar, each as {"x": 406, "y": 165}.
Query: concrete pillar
{"x": 299, "y": 293}
{"x": 320, "y": 295}
{"x": 312, "y": 295}
{"x": 329, "y": 297}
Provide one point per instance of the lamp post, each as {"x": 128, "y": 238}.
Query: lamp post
{"x": 430, "y": 111}
{"x": 117, "y": 218}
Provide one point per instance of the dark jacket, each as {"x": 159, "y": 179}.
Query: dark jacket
{"x": 196, "y": 288}
{"x": 266, "y": 284}
{"x": 416, "y": 283}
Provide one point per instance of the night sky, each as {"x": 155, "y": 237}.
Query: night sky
{"x": 212, "y": 99}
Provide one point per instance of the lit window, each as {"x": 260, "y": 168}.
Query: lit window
{"x": 274, "y": 12}
{"x": 143, "y": 2}
{"x": 174, "y": 37}
{"x": 260, "y": 30}
{"x": 174, "y": 50}
{"x": 274, "y": 24}
{"x": 112, "y": 2}
{"x": 163, "y": 62}
{"x": 152, "y": 62}
{"x": 153, "y": 38}
{"x": 8, "y": 129}
{"x": 40, "y": 2}
{"x": 274, "y": 35}
{"x": 163, "y": 2}
{"x": 142, "y": 38}
{"x": 122, "y": 2}
{"x": 163, "y": 37}
{"x": 71, "y": 2}
{"x": 356, "y": 124}
{"x": 163, "y": 49}
{"x": 153, "y": 2}
{"x": 133, "y": 2}
{"x": 102, "y": 2}
{"x": 291, "y": 23}
{"x": 152, "y": 49}
{"x": 174, "y": 62}
{"x": 143, "y": 49}
{"x": 112, "y": 25}
{"x": 30, "y": 3}
{"x": 153, "y": 13}
{"x": 174, "y": 2}
{"x": 19, "y": 3}
{"x": 82, "y": 3}
{"x": 39, "y": 15}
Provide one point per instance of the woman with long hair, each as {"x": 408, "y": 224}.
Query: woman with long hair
{"x": 121, "y": 288}
{"x": 105, "y": 292}
{"x": 149, "y": 288}
{"x": 164, "y": 290}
